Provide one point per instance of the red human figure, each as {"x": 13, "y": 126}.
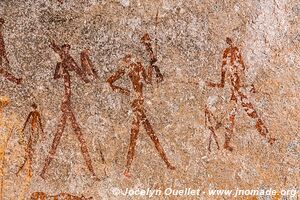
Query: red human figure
{"x": 63, "y": 70}
{"x": 34, "y": 118}
{"x": 233, "y": 66}
{"x": 3, "y": 58}
{"x": 137, "y": 74}
{"x": 212, "y": 124}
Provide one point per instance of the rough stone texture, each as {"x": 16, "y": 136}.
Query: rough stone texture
{"x": 191, "y": 39}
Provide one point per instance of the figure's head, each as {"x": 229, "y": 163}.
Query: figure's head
{"x": 66, "y": 48}
{"x": 34, "y": 106}
{"x": 4, "y": 101}
{"x": 228, "y": 41}
{"x": 145, "y": 39}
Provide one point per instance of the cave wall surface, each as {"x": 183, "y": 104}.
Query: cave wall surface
{"x": 189, "y": 39}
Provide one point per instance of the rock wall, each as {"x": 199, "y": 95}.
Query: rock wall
{"x": 189, "y": 38}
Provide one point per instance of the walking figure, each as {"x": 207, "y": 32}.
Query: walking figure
{"x": 63, "y": 70}
{"x": 3, "y": 58}
{"x": 212, "y": 124}
{"x": 137, "y": 74}
{"x": 233, "y": 65}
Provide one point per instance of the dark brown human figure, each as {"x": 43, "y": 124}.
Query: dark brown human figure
{"x": 63, "y": 70}
{"x": 212, "y": 124}
{"x": 34, "y": 119}
{"x": 4, "y": 59}
{"x": 137, "y": 73}
{"x": 61, "y": 196}
{"x": 87, "y": 64}
{"x": 234, "y": 67}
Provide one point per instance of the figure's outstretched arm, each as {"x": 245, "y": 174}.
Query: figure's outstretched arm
{"x": 55, "y": 47}
{"x": 223, "y": 72}
{"x": 117, "y": 75}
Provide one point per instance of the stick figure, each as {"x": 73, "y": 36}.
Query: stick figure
{"x": 134, "y": 72}
{"x": 34, "y": 118}
{"x": 63, "y": 70}
{"x": 233, "y": 65}
{"x": 3, "y": 58}
{"x": 212, "y": 123}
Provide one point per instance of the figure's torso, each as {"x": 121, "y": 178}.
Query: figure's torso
{"x": 136, "y": 80}
{"x": 234, "y": 68}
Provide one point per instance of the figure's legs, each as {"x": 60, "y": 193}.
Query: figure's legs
{"x": 249, "y": 109}
{"x": 27, "y": 181}
{"x": 135, "y": 128}
{"x": 230, "y": 129}
{"x": 57, "y": 137}
{"x": 155, "y": 140}
{"x": 83, "y": 145}
{"x": 209, "y": 124}
{"x": 28, "y": 157}
{"x": 212, "y": 133}
{"x": 9, "y": 76}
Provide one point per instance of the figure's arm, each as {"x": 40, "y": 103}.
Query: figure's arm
{"x": 40, "y": 123}
{"x": 159, "y": 75}
{"x": 240, "y": 59}
{"x": 86, "y": 64}
{"x": 80, "y": 72}
{"x": 25, "y": 124}
{"x": 55, "y": 47}
{"x": 147, "y": 74}
{"x": 57, "y": 73}
{"x": 223, "y": 72}
{"x": 117, "y": 75}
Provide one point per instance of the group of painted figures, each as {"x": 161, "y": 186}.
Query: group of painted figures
{"x": 232, "y": 69}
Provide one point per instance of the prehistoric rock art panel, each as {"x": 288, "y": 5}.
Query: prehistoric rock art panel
{"x": 233, "y": 68}
{"x": 63, "y": 70}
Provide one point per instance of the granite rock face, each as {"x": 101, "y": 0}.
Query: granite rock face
{"x": 189, "y": 38}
